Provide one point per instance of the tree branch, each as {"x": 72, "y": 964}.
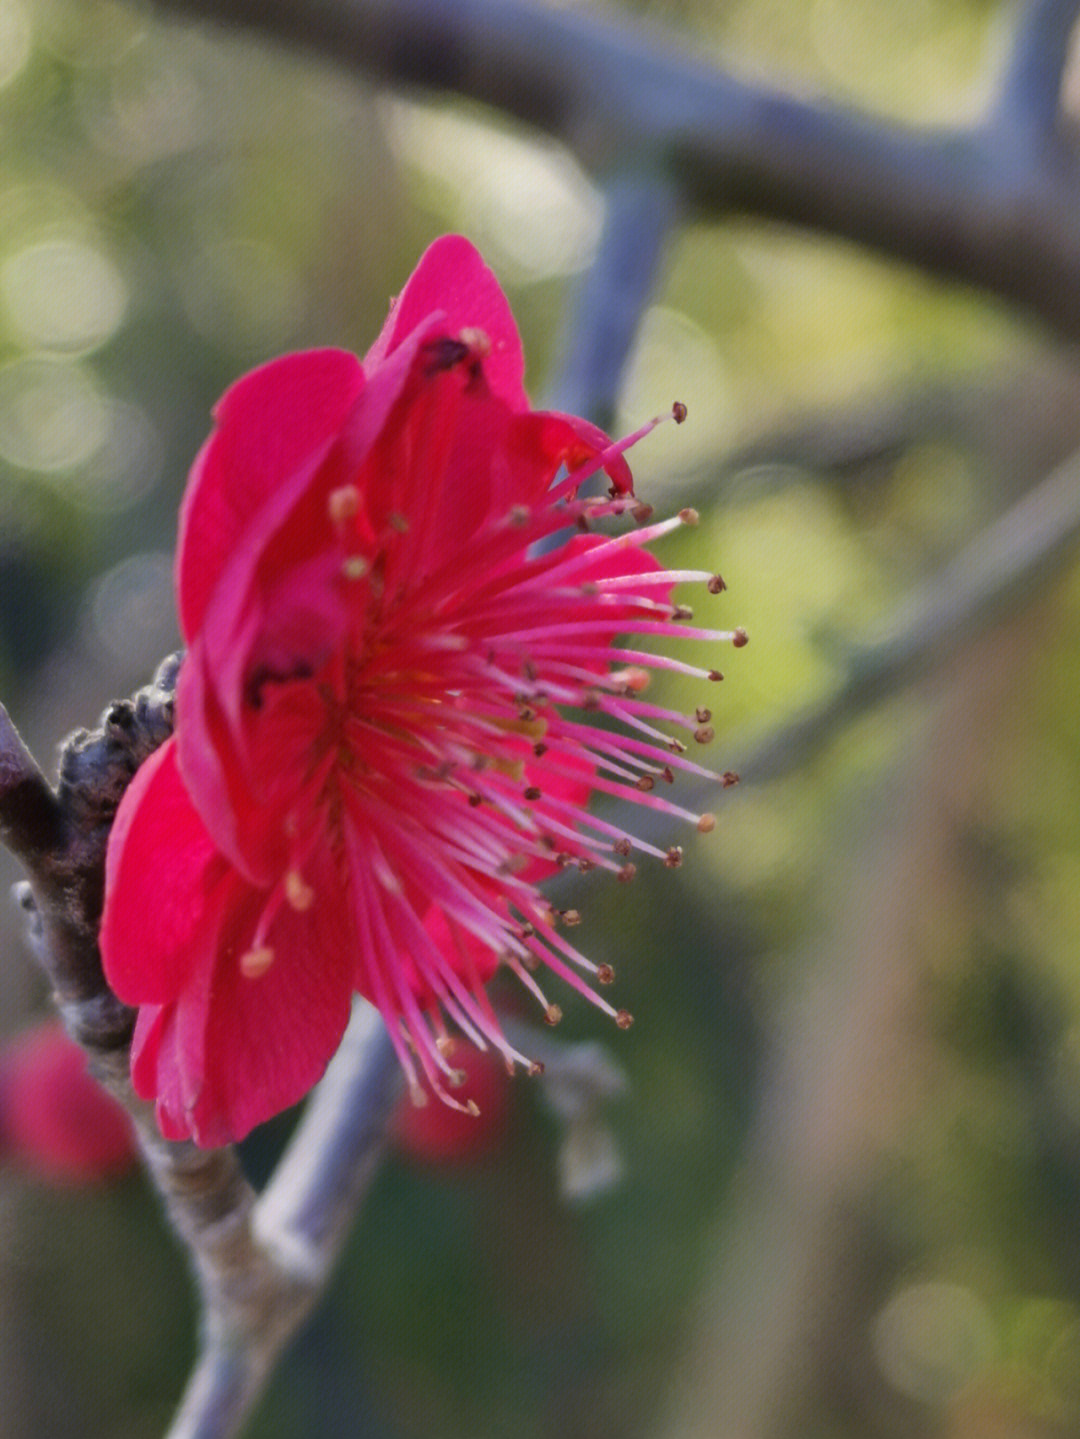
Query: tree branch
{"x": 1028, "y": 107}
{"x": 613, "y": 293}
{"x": 955, "y": 202}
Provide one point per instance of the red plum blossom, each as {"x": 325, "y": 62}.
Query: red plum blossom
{"x": 401, "y": 629}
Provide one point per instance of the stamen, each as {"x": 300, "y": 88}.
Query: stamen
{"x": 256, "y": 961}
{"x": 355, "y": 567}
{"x": 298, "y": 893}
{"x": 343, "y": 504}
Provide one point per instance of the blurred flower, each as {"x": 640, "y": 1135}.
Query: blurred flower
{"x": 441, "y": 1134}
{"x": 55, "y": 1119}
{"x": 383, "y": 739}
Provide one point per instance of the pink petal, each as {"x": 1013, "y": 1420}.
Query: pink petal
{"x": 232, "y": 1050}
{"x": 268, "y": 424}
{"x": 161, "y": 871}
{"x": 452, "y": 280}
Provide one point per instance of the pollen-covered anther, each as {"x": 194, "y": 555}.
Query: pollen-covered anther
{"x": 354, "y": 567}
{"x": 716, "y": 585}
{"x": 298, "y": 893}
{"x": 682, "y": 612}
{"x": 704, "y": 734}
{"x": 586, "y": 865}
{"x": 706, "y": 823}
{"x": 739, "y": 638}
{"x": 622, "y": 847}
{"x": 674, "y": 857}
{"x": 343, "y": 504}
{"x": 569, "y": 917}
{"x": 689, "y": 516}
{"x": 605, "y": 974}
{"x": 642, "y": 513}
{"x": 678, "y": 412}
{"x": 552, "y": 1015}
{"x": 446, "y": 1045}
{"x": 728, "y": 778}
{"x": 667, "y": 774}
{"x": 256, "y": 961}
{"x": 702, "y": 715}
{"x": 535, "y": 1069}
{"x": 627, "y": 873}
{"x": 645, "y": 783}
{"x": 624, "y": 1019}
{"x": 477, "y": 340}
{"x": 632, "y": 680}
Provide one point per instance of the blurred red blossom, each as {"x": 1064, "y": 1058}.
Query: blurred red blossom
{"x": 385, "y": 731}
{"x": 55, "y": 1119}
{"x": 441, "y": 1134}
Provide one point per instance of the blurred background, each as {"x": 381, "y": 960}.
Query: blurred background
{"x": 849, "y": 1133}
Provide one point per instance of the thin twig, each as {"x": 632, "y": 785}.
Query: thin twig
{"x": 957, "y": 202}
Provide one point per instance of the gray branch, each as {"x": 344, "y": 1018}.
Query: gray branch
{"x": 996, "y": 205}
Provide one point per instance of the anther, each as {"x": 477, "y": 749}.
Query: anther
{"x": 473, "y": 1108}
{"x": 530, "y": 961}
{"x": 702, "y": 715}
{"x": 740, "y": 638}
{"x": 622, "y": 847}
{"x": 519, "y": 515}
{"x": 667, "y": 774}
{"x": 676, "y": 746}
{"x": 728, "y": 778}
{"x": 564, "y": 860}
{"x": 706, "y": 824}
{"x": 678, "y": 412}
{"x": 646, "y": 783}
{"x": 256, "y": 961}
{"x": 704, "y": 734}
{"x": 716, "y": 585}
{"x": 627, "y": 873}
{"x": 715, "y": 675}
{"x": 535, "y": 1069}
{"x": 476, "y": 339}
{"x": 569, "y": 917}
{"x": 342, "y": 504}
{"x": 689, "y": 516}
{"x": 531, "y": 792}
{"x": 682, "y": 612}
{"x": 300, "y": 895}
{"x": 552, "y": 1015}
{"x": 624, "y": 1019}
{"x": 354, "y": 567}
{"x": 642, "y": 512}
{"x": 674, "y": 857}
{"x": 605, "y": 974}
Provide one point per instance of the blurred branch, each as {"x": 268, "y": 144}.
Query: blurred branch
{"x": 848, "y": 1067}
{"x": 613, "y": 294}
{"x": 1019, "y": 552}
{"x": 1029, "y": 100}
{"x": 995, "y": 205}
